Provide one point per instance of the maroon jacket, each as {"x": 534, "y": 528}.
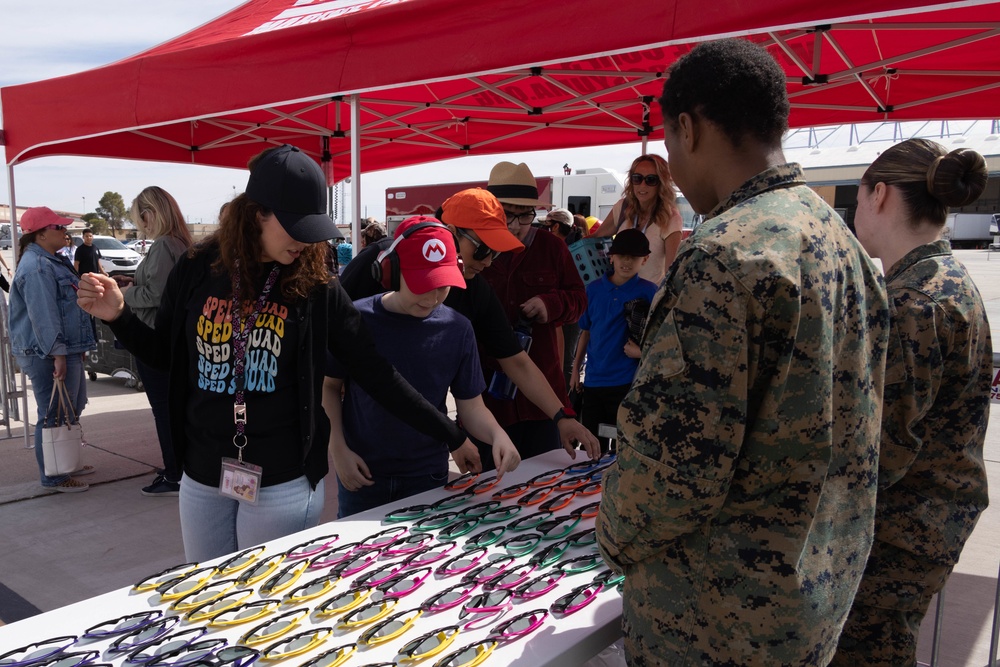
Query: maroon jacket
{"x": 545, "y": 269}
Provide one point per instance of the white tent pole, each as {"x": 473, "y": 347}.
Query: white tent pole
{"x": 15, "y": 238}
{"x": 356, "y": 172}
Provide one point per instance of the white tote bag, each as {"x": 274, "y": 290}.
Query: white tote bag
{"x": 61, "y": 443}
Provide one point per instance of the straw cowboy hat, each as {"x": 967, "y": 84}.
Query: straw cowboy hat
{"x": 514, "y": 184}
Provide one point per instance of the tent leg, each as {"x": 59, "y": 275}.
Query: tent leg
{"x": 356, "y": 172}
{"x": 15, "y": 238}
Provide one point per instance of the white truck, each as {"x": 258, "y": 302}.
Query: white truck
{"x": 969, "y": 230}
{"x": 587, "y": 192}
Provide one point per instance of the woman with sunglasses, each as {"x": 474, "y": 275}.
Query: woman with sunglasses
{"x": 243, "y": 328}
{"x": 49, "y": 333}
{"x": 649, "y": 205}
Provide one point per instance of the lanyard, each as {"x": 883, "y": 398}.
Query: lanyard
{"x": 241, "y": 334}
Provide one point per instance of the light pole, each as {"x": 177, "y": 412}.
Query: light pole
{"x": 84, "y": 204}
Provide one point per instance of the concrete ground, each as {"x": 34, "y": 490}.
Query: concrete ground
{"x": 56, "y": 549}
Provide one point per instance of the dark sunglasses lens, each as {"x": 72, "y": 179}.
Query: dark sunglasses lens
{"x": 650, "y": 179}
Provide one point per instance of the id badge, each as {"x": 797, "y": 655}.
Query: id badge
{"x": 240, "y": 480}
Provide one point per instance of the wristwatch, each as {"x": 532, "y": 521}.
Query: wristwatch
{"x": 559, "y": 416}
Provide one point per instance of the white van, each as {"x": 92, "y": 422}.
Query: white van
{"x": 116, "y": 259}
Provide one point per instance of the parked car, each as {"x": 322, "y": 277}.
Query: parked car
{"x": 5, "y": 240}
{"x": 116, "y": 259}
{"x": 140, "y": 246}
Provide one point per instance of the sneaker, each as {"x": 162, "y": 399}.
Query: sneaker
{"x": 70, "y": 486}
{"x": 162, "y": 487}
{"x": 84, "y": 470}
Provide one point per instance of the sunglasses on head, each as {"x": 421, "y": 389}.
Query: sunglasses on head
{"x": 481, "y": 251}
{"x": 649, "y": 179}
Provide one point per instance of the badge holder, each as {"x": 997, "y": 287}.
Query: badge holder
{"x": 239, "y": 479}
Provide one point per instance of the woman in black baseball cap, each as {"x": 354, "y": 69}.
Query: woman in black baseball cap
{"x": 246, "y": 320}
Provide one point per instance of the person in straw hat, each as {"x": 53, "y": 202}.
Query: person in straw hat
{"x": 540, "y": 290}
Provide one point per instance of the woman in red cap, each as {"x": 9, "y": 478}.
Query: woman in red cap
{"x": 49, "y": 333}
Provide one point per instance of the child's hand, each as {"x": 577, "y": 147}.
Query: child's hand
{"x": 505, "y": 456}
{"x": 632, "y": 351}
{"x": 467, "y": 458}
{"x": 351, "y": 469}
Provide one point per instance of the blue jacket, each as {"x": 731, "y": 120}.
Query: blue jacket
{"x": 44, "y": 318}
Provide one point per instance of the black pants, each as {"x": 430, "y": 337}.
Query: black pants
{"x": 600, "y": 406}
{"x": 156, "y": 383}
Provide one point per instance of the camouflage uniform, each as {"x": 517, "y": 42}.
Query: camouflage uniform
{"x": 932, "y": 481}
{"x": 742, "y": 504}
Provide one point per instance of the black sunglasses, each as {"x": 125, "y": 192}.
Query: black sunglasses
{"x": 482, "y": 251}
{"x": 650, "y": 179}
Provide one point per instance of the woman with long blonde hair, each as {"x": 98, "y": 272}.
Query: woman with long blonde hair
{"x": 158, "y": 218}
{"x": 649, "y": 204}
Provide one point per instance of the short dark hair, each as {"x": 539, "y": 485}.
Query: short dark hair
{"x": 87, "y": 230}
{"x": 733, "y": 83}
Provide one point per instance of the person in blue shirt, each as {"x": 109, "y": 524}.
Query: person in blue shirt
{"x": 378, "y": 458}
{"x": 612, "y": 353}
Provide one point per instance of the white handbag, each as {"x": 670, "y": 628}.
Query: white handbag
{"x": 61, "y": 443}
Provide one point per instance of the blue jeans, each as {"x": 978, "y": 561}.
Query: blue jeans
{"x": 40, "y": 372}
{"x": 214, "y": 525}
{"x": 386, "y": 489}
{"x": 156, "y": 383}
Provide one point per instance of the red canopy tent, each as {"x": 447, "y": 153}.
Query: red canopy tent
{"x": 435, "y": 79}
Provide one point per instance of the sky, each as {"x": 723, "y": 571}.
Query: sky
{"x": 41, "y": 39}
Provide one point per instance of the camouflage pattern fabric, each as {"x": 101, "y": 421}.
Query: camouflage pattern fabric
{"x": 932, "y": 480}
{"x": 742, "y": 503}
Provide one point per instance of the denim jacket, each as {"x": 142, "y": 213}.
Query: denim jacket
{"x": 44, "y": 318}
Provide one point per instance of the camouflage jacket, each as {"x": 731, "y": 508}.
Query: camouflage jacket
{"x": 932, "y": 481}
{"x": 741, "y": 507}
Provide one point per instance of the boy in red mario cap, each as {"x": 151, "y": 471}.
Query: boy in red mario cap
{"x": 378, "y": 458}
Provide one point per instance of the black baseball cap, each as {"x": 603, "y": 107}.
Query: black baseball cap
{"x": 292, "y": 185}
{"x": 630, "y": 242}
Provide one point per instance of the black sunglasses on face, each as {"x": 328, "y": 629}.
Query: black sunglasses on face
{"x": 482, "y": 251}
{"x": 650, "y": 179}
{"x": 525, "y": 218}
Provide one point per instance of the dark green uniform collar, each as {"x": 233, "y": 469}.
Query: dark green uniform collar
{"x": 918, "y": 254}
{"x": 779, "y": 176}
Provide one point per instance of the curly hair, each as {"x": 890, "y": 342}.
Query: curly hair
{"x": 735, "y": 84}
{"x": 666, "y": 198}
{"x": 239, "y": 245}
{"x": 929, "y": 177}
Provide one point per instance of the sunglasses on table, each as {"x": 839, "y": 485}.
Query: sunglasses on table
{"x": 311, "y": 548}
{"x": 488, "y": 571}
{"x": 485, "y": 608}
{"x": 154, "y": 581}
{"x": 590, "y": 466}
{"x": 404, "y": 583}
{"x": 449, "y": 597}
{"x": 368, "y": 614}
{"x": 481, "y": 250}
{"x": 529, "y": 522}
{"x": 273, "y": 627}
{"x": 430, "y": 554}
{"x": 334, "y": 556}
{"x": 429, "y": 644}
{"x": 191, "y": 582}
{"x": 72, "y": 659}
{"x": 283, "y": 579}
{"x": 243, "y": 613}
{"x": 260, "y": 570}
{"x": 539, "y": 586}
{"x": 411, "y": 513}
{"x": 297, "y": 644}
{"x": 463, "y": 526}
{"x": 451, "y": 502}
{"x": 123, "y": 625}
{"x": 137, "y": 638}
{"x": 648, "y": 179}
{"x": 472, "y": 655}
{"x": 408, "y": 545}
{"x": 519, "y": 545}
{"x": 152, "y": 650}
{"x": 343, "y": 603}
{"x": 461, "y": 563}
{"x": 576, "y": 599}
{"x": 197, "y": 598}
{"x": 37, "y": 652}
{"x": 187, "y": 655}
{"x": 238, "y": 562}
{"x": 332, "y": 658}
{"x": 312, "y": 590}
{"x": 229, "y": 656}
{"x": 519, "y": 626}
{"x": 389, "y": 628}
{"x": 208, "y": 610}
